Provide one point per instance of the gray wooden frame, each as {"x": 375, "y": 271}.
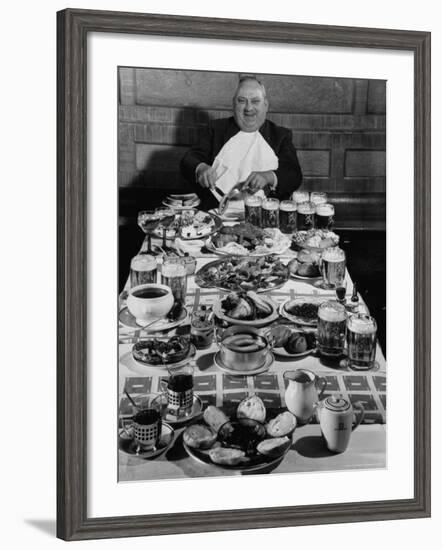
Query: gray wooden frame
{"x": 73, "y": 27}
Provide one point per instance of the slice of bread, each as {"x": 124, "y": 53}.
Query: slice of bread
{"x": 281, "y": 425}
{"x": 226, "y": 456}
{"x": 273, "y": 447}
{"x": 214, "y": 417}
{"x": 199, "y": 436}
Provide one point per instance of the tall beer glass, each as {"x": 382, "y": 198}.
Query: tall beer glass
{"x": 287, "y": 216}
{"x": 332, "y": 324}
{"x": 270, "y": 213}
{"x": 361, "y": 341}
{"x": 325, "y": 216}
{"x": 332, "y": 266}
{"x": 317, "y": 197}
{"x": 301, "y": 196}
{"x": 143, "y": 270}
{"x": 174, "y": 275}
{"x": 253, "y": 210}
{"x": 306, "y": 216}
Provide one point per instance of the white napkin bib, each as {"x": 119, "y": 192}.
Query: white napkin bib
{"x": 245, "y": 152}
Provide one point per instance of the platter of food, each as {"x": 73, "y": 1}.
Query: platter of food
{"x": 291, "y": 343}
{"x": 314, "y": 239}
{"x": 302, "y": 310}
{"x": 182, "y": 201}
{"x": 245, "y": 239}
{"x": 305, "y": 266}
{"x": 246, "y": 308}
{"x": 190, "y": 224}
{"x": 236, "y": 273}
{"x": 248, "y": 442}
{"x": 163, "y": 352}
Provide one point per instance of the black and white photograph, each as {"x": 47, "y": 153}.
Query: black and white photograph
{"x": 252, "y": 274}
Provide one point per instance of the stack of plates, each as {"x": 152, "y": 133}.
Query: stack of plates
{"x": 182, "y": 202}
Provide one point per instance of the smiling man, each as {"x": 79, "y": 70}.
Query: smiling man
{"x": 244, "y": 148}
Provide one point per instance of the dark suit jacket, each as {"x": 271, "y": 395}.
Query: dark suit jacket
{"x": 220, "y": 131}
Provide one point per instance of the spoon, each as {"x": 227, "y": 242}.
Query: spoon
{"x": 130, "y": 399}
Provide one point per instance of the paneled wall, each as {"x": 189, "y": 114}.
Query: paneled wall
{"x": 338, "y": 128}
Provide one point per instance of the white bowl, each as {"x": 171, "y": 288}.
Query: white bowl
{"x": 149, "y": 302}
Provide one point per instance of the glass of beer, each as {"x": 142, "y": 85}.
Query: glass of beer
{"x": 332, "y": 325}
{"x": 361, "y": 341}
{"x": 253, "y": 210}
{"x": 317, "y": 197}
{"x": 287, "y": 216}
{"x": 332, "y": 266}
{"x": 174, "y": 275}
{"x": 301, "y": 196}
{"x": 325, "y": 216}
{"x": 270, "y": 213}
{"x": 306, "y": 216}
{"x": 143, "y": 270}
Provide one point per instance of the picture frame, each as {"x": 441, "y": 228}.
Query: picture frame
{"x": 73, "y": 27}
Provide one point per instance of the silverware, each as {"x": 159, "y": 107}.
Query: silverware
{"x": 130, "y": 399}
{"x": 236, "y": 190}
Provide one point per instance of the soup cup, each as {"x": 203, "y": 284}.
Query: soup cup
{"x": 149, "y": 302}
{"x": 243, "y": 348}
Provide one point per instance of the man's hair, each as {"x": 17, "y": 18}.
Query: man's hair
{"x": 250, "y": 78}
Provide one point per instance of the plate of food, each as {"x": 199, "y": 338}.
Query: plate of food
{"x": 245, "y": 239}
{"x": 246, "y": 308}
{"x": 182, "y": 201}
{"x": 290, "y": 342}
{"x": 176, "y": 316}
{"x": 236, "y": 273}
{"x": 248, "y": 442}
{"x": 190, "y": 224}
{"x": 314, "y": 239}
{"x": 163, "y": 352}
{"x": 305, "y": 266}
{"x": 302, "y": 310}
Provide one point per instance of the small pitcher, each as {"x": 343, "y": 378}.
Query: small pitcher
{"x": 336, "y": 419}
{"x": 301, "y": 395}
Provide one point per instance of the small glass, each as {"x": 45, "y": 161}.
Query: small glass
{"x": 253, "y": 210}
{"x": 174, "y": 275}
{"x": 148, "y": 221}
{"x": 179, "y": 391}
{"x": 270, "y": 213}
{"x": 317, "y": 197}
{"x": 143, "y": 270}
{"x": 332, "y": 266}
{"x": 361, "y": 341}
{"x": 332, "y": 326}
{"x": 145, "y": 424}
{"x": 301, "y": 196}
{"x": 306, "y": 216}
{"x": 202, "y": 328}
{"x": 287, "y": 216}
{"x": 325, "y": 216}
{"x": 341, "y": 291}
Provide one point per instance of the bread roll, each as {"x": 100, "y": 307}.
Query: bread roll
{"x": 282, "y": 425}
{"x": 226, "y": 456}
{"x": 214, "y": 417}
{"x": 252, "y": 407}
{"x": 273, "y": 447}
{"x": 199, "y": 436}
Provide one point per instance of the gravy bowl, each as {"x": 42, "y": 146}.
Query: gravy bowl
{"x": 243, "y": 348}
{"x": 149, "y": 302}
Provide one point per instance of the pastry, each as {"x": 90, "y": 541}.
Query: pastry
{"x": 252, "y": 407}
{"x": 281, "y": 425}
{"x": 199, "y": 436}
{"x": 214, "y": 417}
{"x": 226, "y": 456}
{"x": 273, "y": 447}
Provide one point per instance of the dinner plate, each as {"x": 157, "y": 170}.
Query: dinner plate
{"x": 246, "y": 253}
{"x": 190, "y": 206}
{"x": 263, "y": 368}
{"x": 303, "y": 278}
{"x": 129, "y": 446}
{"x": 295, "y": 318}
{"x": 281, "y": 352}
{"x": 249, "y": 323}
{"x": 261, "y": 462}
{"x": 128, "y": 320}
{"x": 170, "y": 366}
{"x": 208, "y": 229}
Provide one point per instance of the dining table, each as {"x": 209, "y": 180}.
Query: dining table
{"x": 214, "y": 386}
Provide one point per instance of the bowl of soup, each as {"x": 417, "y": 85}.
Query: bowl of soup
{"x": 149, "y": 302}
{"x": 243, "y": 348}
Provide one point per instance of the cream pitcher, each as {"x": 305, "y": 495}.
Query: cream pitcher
{"x": 336, "y": 420}
{"x": 301, "y": 395}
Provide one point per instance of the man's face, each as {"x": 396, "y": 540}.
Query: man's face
{"x": 250, "y": 107}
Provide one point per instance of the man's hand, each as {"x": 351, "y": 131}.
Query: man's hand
{"x": 258, "y": 180}
{"x": 205, "y": 175}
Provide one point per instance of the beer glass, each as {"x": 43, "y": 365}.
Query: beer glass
{"x": 332, "y": 324}
{"x": 253, "y": 209}
{"x": 270, "y": 213}
{"x": 325, "y": 216}
{"x": 143, "y": 270}
{"x": 300, "y": 196}
{"x": 317, "y": 197}
{"x": 306, "y": 216}
{"x": 287, "y": 216}
{"x": 174, "y": 275}
{"x": 361, "y": 341}
{"x": 332, "y": 266}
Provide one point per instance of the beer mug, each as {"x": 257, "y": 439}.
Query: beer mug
{"x": 325, "y": 216}
{"x": 143, "y": 270}
{"x": 174, "y": 275}
{"x": 332, "y": 326}
{"x": 287, "y": 216}
{"x": 361, "y": 341}
{"x": 300, "y": 196}
{"x": 318, "y": 197}
{"x": 270, "y": 213}
{"x": 332, "y": 266}
{"x": 253, "y": 210}
{"x": 306, "y": 216}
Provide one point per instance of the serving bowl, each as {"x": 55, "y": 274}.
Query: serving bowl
{"x": 149, "y": 302}
{"x": 243, "y": 348}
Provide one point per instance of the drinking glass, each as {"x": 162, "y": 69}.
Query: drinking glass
{"x": 306, "y": 216}
{"x": 287, "y": 216}
{"x": 202, "y": 328}
{"x": 317, "y": 197}
{"x": 174, "y": 275}
{"x": 179, "y": 390}
{"x": 143, "y": 270}
{"x": 148, "y": 220}
{"x": 361, "y": 341}
{"x": 301, "y": 196}
{"x": 325, "y": 216}
{"x": 270, "y": 212}
{"x": 253, "y": 209}
{"x": 145, "y": 424}
{"x": 332, "y": 266}
{"x": 332, "y": 326}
